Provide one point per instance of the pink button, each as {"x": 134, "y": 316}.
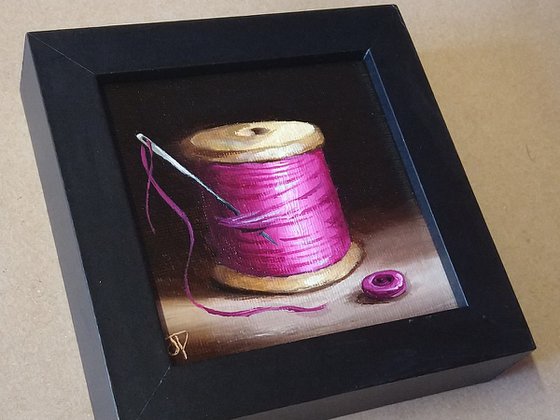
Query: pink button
{"x": 384, "y": 285}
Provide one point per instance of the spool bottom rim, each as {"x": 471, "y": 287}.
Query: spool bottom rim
{"x": 291, "y": 284}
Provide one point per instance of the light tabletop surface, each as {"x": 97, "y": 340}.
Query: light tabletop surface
{"x": 494, "y": 68}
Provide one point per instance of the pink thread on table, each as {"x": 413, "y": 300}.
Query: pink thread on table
{"x": 293, "y": 200}
{"x": 148, "y": 167}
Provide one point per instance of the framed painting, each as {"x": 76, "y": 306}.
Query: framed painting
{"x": 262, "y": 215}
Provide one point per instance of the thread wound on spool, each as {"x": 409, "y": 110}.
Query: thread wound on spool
{"x": 276, "y": 175}
{"x": 292, "y": 201}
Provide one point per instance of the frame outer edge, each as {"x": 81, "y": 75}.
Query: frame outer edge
{"x": 81, "y": 297}
{"x": 392, "y": 392}
{"x": 70, "y": 260}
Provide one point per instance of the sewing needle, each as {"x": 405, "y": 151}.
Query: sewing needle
{"x": 165, "y": 156}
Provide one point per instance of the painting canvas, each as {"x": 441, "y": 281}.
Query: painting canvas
{"x": 274, "y": 206}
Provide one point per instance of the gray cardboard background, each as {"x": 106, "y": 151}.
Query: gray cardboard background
{"x": 494, "y": 69}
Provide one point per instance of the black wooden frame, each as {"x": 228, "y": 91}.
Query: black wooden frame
{"x": 105, "y": 273}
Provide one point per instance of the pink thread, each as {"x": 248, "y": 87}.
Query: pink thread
{"x": 293, "y": 200}
{"x": 148, "y": 167}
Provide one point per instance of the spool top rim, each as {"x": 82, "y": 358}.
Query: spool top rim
{"x": 252, "y": 142}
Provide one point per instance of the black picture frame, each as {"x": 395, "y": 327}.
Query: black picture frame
{"x": 104, "y": 268}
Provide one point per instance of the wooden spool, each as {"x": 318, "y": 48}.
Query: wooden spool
{"x": 263, "y": 142}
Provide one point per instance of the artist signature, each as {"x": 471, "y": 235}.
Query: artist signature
{"x": 178, "y": 343}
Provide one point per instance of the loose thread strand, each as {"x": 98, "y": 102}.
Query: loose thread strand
{"x": 148, "y": 167}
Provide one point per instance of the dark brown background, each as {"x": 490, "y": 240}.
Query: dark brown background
{"x": 336, "y": 96}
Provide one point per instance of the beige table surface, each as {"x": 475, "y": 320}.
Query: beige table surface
{"x": 495, "y": 69}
